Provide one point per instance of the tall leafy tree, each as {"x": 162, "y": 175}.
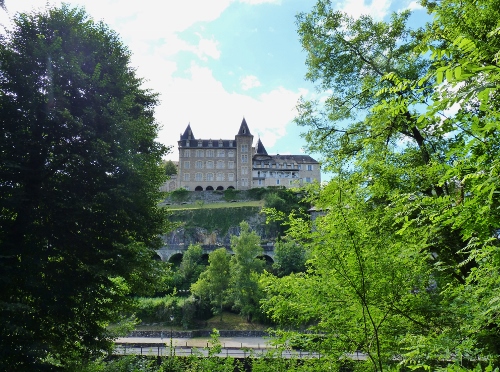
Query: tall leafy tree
{"x": 79, "y": 177}
{"x": 414, "y": 185}
{"x": 213, "y": 283}
{"x": 170, "y": 168}
{"x": 289, "y": 257}
{"x": 191, "y": 267}
{"x": 244, "y": 267}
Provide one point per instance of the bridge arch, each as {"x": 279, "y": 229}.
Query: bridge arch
{"x": 173, "y": 253}
{"x": 176, "y": 258}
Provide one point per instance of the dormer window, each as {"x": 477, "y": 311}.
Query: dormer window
{"x": 220, "y": 143}
{"x": 187, "y": 143}
{"x": 210, "y": 144}
{"x": 200, "y": 143}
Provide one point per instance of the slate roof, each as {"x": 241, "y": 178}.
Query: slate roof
{"x": 260, "y": 150}
{"x": 244, "y": 130}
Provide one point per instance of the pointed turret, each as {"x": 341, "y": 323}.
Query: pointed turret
{"x": 260, "y": 150}
{"x": 188, "y": 133}
{"x": 244, "y": 131}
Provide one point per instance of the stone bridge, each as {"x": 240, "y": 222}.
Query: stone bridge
{"x": 169, "y": 251}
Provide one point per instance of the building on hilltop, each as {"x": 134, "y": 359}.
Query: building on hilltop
{"x": 206, "y": 164}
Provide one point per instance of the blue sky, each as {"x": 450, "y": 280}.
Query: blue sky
{"x": 216, "y": 61}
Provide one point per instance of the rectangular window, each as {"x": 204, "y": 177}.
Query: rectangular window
{"x": 308, "y": 179}
{"x": 220, "y": 164}
{"x": 210, "y": 153}
{"x": 230, "y": 164}
{"x": 187, "y": 153}
{"x": 299, "y": 166}
{"x": 244, "y": 148}
{"x": 187, "y": 164}
{"x": 186, "y": 177}
{"x": 210, "y": 176}
{"x": 199, "y": 153}
{"x": 210, "y": 164}
{"x": 199, "y": 176}
{"x": 199, "y": 164}
{"x": 244, "y": 170}
{"x": 244, "y": 158}
{"x": 230, "y": 153}
{"x": 260, "y": 182}
{"x": 230, "y": 177}
{"x": 309, "y": 167}
{"x": 221, "y": 153}
{"x": 244, "y": 182}
{"x": 220, "y": 176}
{"x": 277, "y": 181}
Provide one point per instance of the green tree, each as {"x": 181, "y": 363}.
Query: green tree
{"x": 413, "y": 185}
{"x": 79, "y": 179}
{"x": 289, "y": 257}
{"x": 190, "y": 268}
{"x": 213, "y": 283}
{"x": 244, "y": 267}
{"x": 170, "y": 168}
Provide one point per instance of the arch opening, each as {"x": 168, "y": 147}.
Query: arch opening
{"x": 220, "y": 188}
{"x": 175, "y": 259}
{"x": 198, "y": 188}
{"x": 209, "y": 188}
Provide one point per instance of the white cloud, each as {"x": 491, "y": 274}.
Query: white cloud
{"x": 216, "y": 113}
{"x": 414, "y": 5}
{"x": 255, "y": 2}
{"x": 152, "y": 31}
{"x": 378, "y": 9}
{"x": 249, "y": 82}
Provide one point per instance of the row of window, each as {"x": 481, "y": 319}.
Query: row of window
{"x": 210, "y": 165}
{"x": 220, "y": 164}
{"x": 210, "y": 143}
{"x": 283, "y": 166}
{"x": 209, "y": 177}
{"x": 211, "y": 153}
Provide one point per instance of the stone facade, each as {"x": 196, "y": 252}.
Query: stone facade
{"x": 206, "y": 164}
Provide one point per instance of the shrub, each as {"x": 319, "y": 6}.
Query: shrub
{"x": 180, "y": 195}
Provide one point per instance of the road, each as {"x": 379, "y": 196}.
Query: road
{"x": 235, "y": 347}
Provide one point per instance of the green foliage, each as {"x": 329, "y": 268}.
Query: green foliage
{"x": 79, "y": 186}
{"x": 244, "y": 270}
{"x": 231, "y": 194}
{"x": 170, "y": 168}
{"x": 404, "y": 263}
{"x": 180, "y": 195}
{"x": 289, "y": 257}
{"x": 213, "y": 284}
{"x": 220, "y": 219}
{"x": 257, "y": 193}
{"x": 190, "y": 268}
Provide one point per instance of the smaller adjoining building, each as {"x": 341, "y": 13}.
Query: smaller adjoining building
{"x": 207, "y": 164}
